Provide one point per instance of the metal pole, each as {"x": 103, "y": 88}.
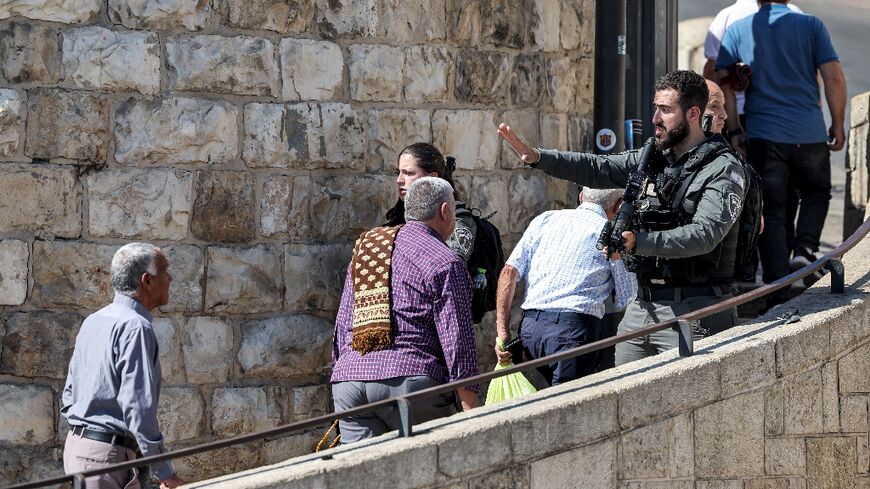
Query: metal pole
{"x": 610, "y": 50}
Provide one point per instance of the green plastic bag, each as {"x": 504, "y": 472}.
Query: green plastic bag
{"x": 508, "y": 386}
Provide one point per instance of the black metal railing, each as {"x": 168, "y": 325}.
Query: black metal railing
{"x": 830, "y": 261}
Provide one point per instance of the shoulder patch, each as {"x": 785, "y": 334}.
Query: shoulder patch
{"x": 735, "y": 205}
{"x": 464, "y": 240}
{"x": 738, "y": 179}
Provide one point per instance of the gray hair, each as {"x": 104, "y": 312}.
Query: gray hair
{"x": 425, "y": 196}
{"x": 128, "y": 265}
{"x": 605, "y": 197}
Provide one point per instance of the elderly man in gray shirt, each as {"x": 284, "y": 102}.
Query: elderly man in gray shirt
{"x": 113, "y": 385}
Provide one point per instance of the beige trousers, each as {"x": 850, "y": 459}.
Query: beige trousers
{"x": 80, "y": 454}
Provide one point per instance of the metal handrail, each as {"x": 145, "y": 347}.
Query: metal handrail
{"x": 830, "y": 261}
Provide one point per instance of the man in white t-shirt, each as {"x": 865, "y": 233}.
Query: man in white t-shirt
{"x": 721, "y": 23}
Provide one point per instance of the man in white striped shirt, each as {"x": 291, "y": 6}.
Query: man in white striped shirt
{"x": 567, "y": 282}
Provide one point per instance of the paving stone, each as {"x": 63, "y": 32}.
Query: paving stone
{"x": 375, "y": 72}
{"x": 347, "y": 18}
{"x": 223, "y": 209}
{"x": 207, "y": 344}
{"x": 727, "y": 436}
{"x": 98, "y": 58}
{"x": 239, "y": 65}
{"x": 244, "y": 280}
{"x": 180, "y": 413}
{"x": 67, "y": 124}
{"x": 26, "y": 414}
{"x": 39, "y": 200}
{"x": 71, "y": 274}
{"x": 175, "y": 130}
{"x": 14, "y": 256}
{"x": 161, "y": 14}
{"x": 65, "y": 11}
{"x": 143, "y": 204}
{"x": 284, "y": 16}
{"x": 30, "y": 53}
{"x": 311, "y": 69}
{"x": 470, "y": 136}
{"x": 285, "y": 346}
{"x": 482, "y": 77}
{"x": 39, "y": 343}
{"x": 317, "y": 274}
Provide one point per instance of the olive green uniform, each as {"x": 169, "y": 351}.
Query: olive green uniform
{"x": 698, "y": 249}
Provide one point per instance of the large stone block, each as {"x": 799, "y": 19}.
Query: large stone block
{"x": 26, "y": 414}
{"x": 186, "y": 267}
{"x": 145, "y": 204}
{"x": 375, "y": 72}
{"x": 482, "y": 77}
{"x": 554, "y": 131}
{"x": 407, "y": 469}
{"x": 72, "y": 274}
{"x": 413, "y": 22}
{"x": 728, "y": 437}
{"x": 29, "y": 53}
{"x": 516, "y": 476}
{"x": 311, "y": 400}
{"x": 528, "y": 81}
{"x": 39, "y": 343}
{"x": 284, "y": 206}
{"x": 168, "y": 332}
{"x": 14, "y": 256}
{"x": 784, "y": 456}
{"x": 426, "y": 73}
{"x": 590, "y": 466}
{"x": 28, "y": 463}
{"x": 830, "y": 398}
{"x": 344, "y": 206}
{"x": 160, "y": 14}
{"x": 748, "y": 368}
{"x": 224, "y": 207}
{"x": 64, "y": 124}
{"x": 580, "y": 133}
{"x": 244, "y": 281}
{"x": 181, "y": 413}
{"x": 644, "y": 453}
{"x": 505, "y": 23}
{"x": 544, "y": 33}
{"x": 562, "y": 84}
{"x": 803, "y": 347}
{"x": 286, "y": 346}
{"x": 682, "y": 442}
{"x": 215, "y": 463}
{"x": 311, "y": 69}
{"x": 282, "y": 16}
{"x": 578, "y": 25}
{"x": 175, "y": 130}
{"x": 239, "y": 65}
{"x": 65, "y": 11}
{"x": 463, "y": 22}
{"x": 39, "y": 200}
{"x": 853, "y": 414}
{"x": 526, "y": 123}
{"x": 855, "y": 370}
{"x": 860, "y": 109}
{"x": 470, "y": 135}
{"x": 484, "y": 450}
{"x": 490, "y": 194}
{"x": 528, "y": 198}
{"x": 277, "y": 450}
{"x": 239, "y": 410}
{"x": 10, "y": 121}
{"x": 391, "y": 130}
{"x": 317, "y": 274}
{"x": 207, "y": 344}
{"x": 803, "y": 405}
{"x": 98, "y": 58}
{"x": 830, "y": 462}
{"x": 351, "y": 18}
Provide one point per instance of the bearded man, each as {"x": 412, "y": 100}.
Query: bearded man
{"x": 683, "y": 243}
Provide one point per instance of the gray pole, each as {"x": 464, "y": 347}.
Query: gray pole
{"x": 610, "y": 46}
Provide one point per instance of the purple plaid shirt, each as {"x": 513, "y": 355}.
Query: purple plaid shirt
{"x": 433, "y": 335}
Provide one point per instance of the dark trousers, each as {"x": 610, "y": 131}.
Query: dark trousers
{"x": 545, "y": 333}
{"x": 791, "y": 173}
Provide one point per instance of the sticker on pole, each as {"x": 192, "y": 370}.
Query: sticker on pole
{"x": 605, "y": 139}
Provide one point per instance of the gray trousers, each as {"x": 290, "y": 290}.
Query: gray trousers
{"x": 80, "y": 454}
{"x": 350, "y": 394}
{"x": 641, "y": 313}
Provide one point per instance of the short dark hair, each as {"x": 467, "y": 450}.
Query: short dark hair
{"x": 690, "y": 86}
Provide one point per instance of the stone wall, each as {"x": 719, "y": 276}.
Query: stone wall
{"x": 857, "y": 165}
{"x": 253, "y": 139}
{"x": 780, "y": 403}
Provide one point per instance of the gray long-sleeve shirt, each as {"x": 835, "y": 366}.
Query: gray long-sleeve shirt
{"x": 113, "y": 383}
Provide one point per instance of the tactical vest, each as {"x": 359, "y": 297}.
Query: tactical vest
{"x": 673, "y": 206}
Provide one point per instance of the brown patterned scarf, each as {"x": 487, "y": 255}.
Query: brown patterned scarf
{"x": 370, "y": 266}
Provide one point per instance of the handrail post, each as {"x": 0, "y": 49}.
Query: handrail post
{"x": 78, "y": 481}
{"x": 838, "y": 275}
{"x": 684, "y": 339}
{"x": 404, "y": 417}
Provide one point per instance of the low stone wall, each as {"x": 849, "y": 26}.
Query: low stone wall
{"x": 690, "y": 43}
{"x": 253, "y": 140}
{"x": 857, "y": 165}
{"x": 774, "y": 404}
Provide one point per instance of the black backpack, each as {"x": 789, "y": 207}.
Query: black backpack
{"x": 488, "y": 255}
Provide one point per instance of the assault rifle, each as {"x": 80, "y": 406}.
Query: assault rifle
{"x": 611, "y": 235}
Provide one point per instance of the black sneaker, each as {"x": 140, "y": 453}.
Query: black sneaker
{"x": 801, "y": 258}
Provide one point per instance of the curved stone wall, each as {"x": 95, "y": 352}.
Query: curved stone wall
{"x": 253, "y": 139}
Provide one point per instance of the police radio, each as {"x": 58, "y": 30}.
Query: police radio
{"x": 611, "y": 235}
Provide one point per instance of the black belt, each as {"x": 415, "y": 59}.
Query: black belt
{"x": 105, "y": 437}
{"x": 556, "y": 316}
{"x": 650, "y": 294}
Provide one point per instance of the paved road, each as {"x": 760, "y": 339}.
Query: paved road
{"x": 848, "y": 22}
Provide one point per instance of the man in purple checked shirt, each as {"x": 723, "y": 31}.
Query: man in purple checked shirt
{"x": 432, "y": 340}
